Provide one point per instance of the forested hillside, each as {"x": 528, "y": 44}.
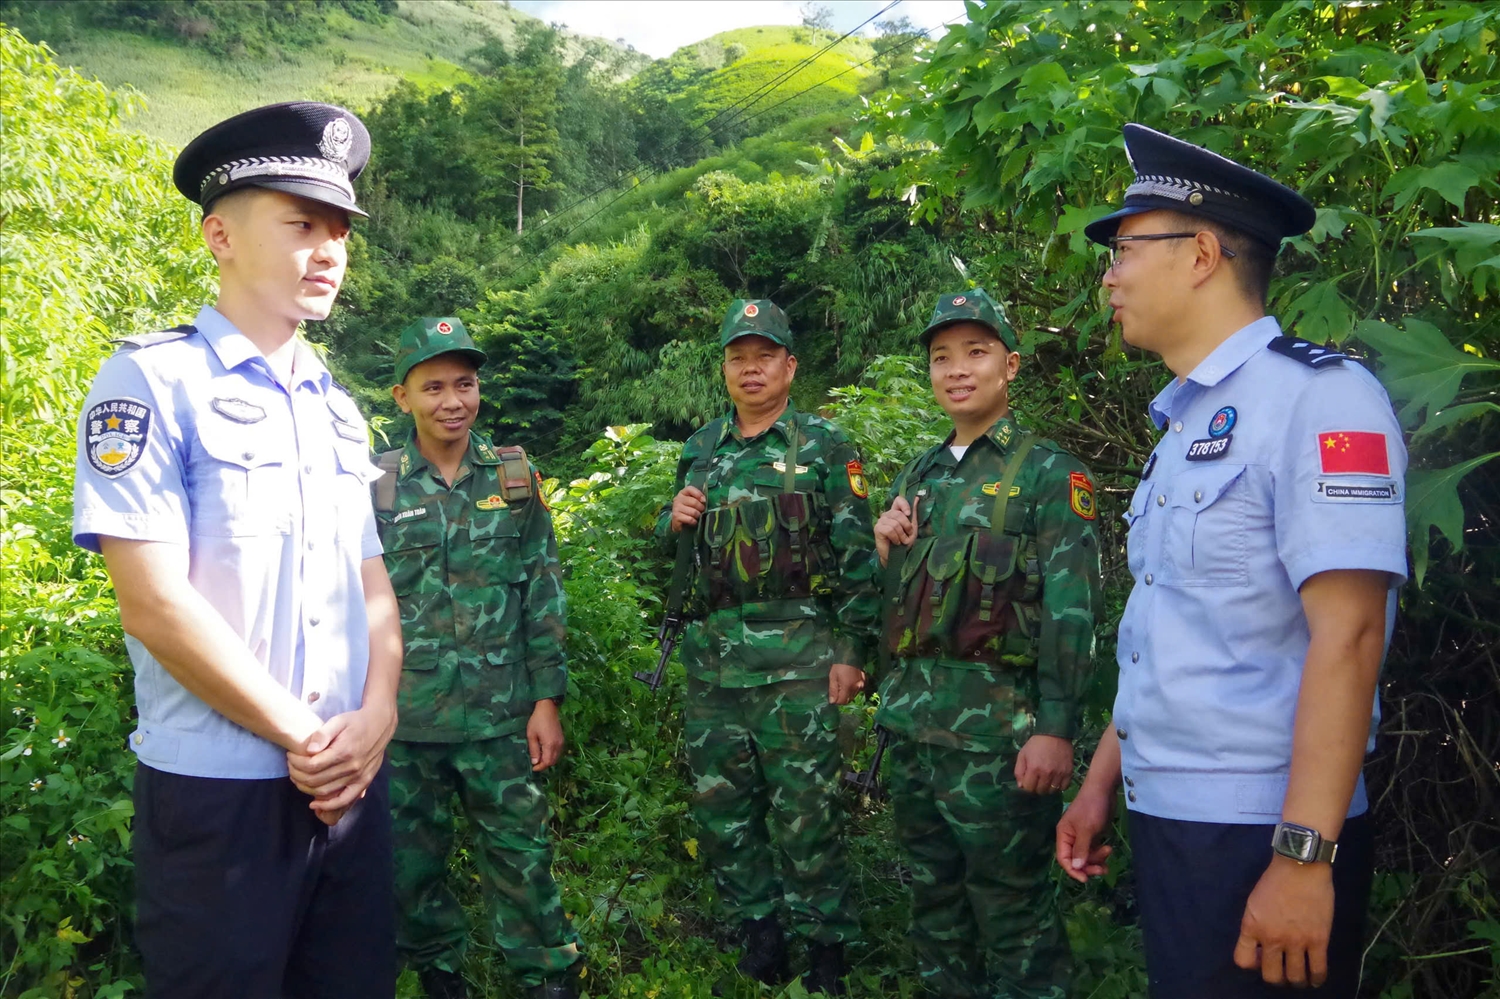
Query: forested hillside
{"x": 850, "y": 180}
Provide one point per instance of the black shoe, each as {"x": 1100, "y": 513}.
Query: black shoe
{"x": 553, "y": 988}
{"x": 765, "y": 951}
{"x": 825, "y": 969}
{"x": 440, "y": 984}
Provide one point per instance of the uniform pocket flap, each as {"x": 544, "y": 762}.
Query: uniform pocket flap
{"x": 354, "y": 458}
{"x": 946, "y": 560}
{"x": 718, "y": 526}
{"x": 992, "y": 560}
{"x": 237, "y": 444}
{"x": 915, "y": 557}
{"x": 759, "y": 518}
{"x": 1201, "y": 488}
{"x": 506, "y": 655}
{"x": 405, "y": 535}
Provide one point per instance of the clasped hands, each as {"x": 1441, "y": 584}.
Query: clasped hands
{"x": 338, "y": 761}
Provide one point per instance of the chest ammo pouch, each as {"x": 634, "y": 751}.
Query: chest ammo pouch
{"x": 774, "y": 548}
{"x": 970, "y": 595}
{"x": 516, "y": 484}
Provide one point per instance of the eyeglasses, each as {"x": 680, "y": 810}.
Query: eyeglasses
{"x": 1115, "y": 241}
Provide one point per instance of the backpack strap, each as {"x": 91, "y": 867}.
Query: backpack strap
{"x": 516, "y": 484}
{"x": 384, "y": 490}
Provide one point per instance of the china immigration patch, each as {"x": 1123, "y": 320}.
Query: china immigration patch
{"x": 1081, "y": 496}
{"x": 115, "y": 435}
{"x": 857, "y": 483}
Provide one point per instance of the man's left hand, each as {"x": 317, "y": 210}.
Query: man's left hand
{"x": 341, "y": 758}
{"x": 1287, "y": 922}
{"x": 544, "y": 734}
{"x": 844, "y": 681}
{"x": 1045, "y": 764}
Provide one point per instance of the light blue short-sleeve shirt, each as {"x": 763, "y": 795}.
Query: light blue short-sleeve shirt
{"x": 194, "y": 442}
{"x": 1270, "y": 470}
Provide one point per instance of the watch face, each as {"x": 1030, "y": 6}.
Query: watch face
{"x": 1299, "y": 843}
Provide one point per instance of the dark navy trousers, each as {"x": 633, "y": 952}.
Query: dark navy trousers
{"x": 243, "y": 893}
{"x": 1193, "y": 880}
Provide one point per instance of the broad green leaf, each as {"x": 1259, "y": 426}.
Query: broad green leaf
{"x": 1320, "y": 313}
{"x": 1419, "y": 366}
{"x": 1432, "y": 501}
{"x": 1451, "y": 180}
{"x": 1452, "y": 415}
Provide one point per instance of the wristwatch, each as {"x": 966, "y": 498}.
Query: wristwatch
{"x": 1304, "y": 845}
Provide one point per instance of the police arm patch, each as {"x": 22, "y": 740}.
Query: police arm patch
{"x": 1081, "y": 496}
{"x": 857, "y": 483}
{"x": 115, "y": 435}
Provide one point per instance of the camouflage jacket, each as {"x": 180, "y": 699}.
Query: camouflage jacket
{"x": 1023, "y": 673}
{"x": 763, "y": 641}
{"x": 482, "y": 605}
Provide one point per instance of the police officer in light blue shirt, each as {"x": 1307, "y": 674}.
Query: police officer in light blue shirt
{"x": 1267, "y": 540}
{"x": 225, "y": 478}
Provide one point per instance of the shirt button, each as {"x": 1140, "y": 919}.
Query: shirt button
{"x": 248, "y": 455}
{"x": 1198, "y": 496}
{"x": 1135, "y": 657}
{"x": 139, "y": 738}
{"x": 1122, "y": 733}
{"x": 314, "y": 621}
{"x": 1130, "y": 795}
{"x": 312, "y": 698}
{"x": 311, "y": 544}
{"x": 306, "y": 469}
{"x": 1150, "y": 579}
{"x": 1129, "y": 782}
{"x": 1177, "y": 427}
{"x": 1161, "y": 500}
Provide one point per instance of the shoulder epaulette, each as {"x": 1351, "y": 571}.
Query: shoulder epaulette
{"x": 152, "y": 339}
{"x": 1307, "y": 352}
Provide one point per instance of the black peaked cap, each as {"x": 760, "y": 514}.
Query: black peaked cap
{"x": 304, "y": 148}
{"x": 1178, "y": 176}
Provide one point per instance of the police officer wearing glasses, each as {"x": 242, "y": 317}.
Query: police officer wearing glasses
{"x": 1267, "y": 541}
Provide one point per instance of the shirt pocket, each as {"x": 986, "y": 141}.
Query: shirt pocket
{"x": 240, "y": 484}
{"x": 414, "y": 561}
{"x": 356, "y": 473}
{"x": 1137, "y": 523}
{"x": 494, "y": 580}
{"x": 1206, "y": 542}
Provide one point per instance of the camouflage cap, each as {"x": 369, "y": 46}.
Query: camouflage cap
{"x": 758, "y": 316}
{"x": 427, "y": 338}
{"x": 974, "y": 306}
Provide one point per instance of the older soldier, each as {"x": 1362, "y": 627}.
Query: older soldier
{"x": 782, "y": 618}
{"x": 224, "y": 476}
{"x": 1267, "y": 541}
{"x": 472, "y": 556}
{"x": 991, "y": 539}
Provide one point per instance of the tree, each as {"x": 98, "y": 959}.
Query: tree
{"x": 515, "y": 107}
{"x": 816, "y": 17}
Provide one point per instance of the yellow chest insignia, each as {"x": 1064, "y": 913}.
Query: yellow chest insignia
{"x": 993, "y": 488}
{"x": 492, "y": 502}
{"x": 780, "y": 466}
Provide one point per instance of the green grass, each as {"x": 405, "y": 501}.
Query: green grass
{"x": 187, "y": 88}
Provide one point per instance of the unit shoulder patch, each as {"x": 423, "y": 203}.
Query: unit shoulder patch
{"x": 857, "y": 483}
{"x": 1081, "y": 495}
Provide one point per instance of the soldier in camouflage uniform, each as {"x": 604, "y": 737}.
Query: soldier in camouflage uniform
{"x": 782, "y": 617}
{"x": 469, "y": 545}
{"x": 994, "y": 559}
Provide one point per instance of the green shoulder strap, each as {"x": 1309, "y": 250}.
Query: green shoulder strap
{"x": 686, "y": 539}
{"x": 791, "y": 459}
{"x": 385, "y": 487}
{"x": 1012, "y": 469}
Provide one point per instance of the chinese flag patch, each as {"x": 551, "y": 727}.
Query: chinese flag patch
{"x": 857, "y": 483}
{"x": 1353, "y": 452}
{"x": 1081, "y": 495}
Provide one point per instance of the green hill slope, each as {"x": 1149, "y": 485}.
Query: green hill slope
{"x": 188, "y": 87}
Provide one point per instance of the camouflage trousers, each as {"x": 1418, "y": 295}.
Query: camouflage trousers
{"x": 507, "y": 814}
{"x": 766, "y": 769}
{"x": 985, "y": 917}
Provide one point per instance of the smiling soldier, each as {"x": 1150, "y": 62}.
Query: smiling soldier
{"x": 995, "y": 560}
{"x": 473, "y": 559}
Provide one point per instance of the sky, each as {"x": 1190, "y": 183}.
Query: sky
{"x": 660, "y": 27}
